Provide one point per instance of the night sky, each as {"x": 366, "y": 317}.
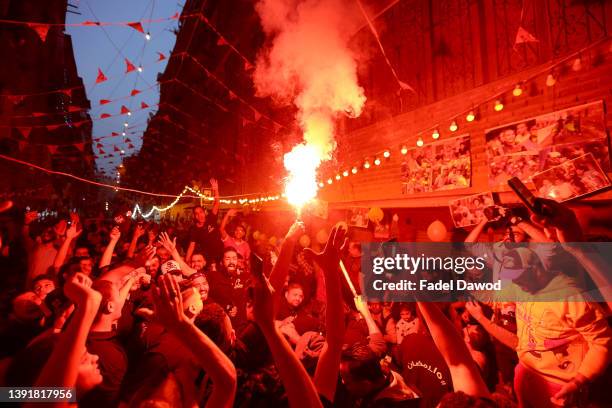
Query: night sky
{"x": 106, "y": 48}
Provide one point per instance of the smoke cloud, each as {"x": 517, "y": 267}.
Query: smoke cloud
{"x": 308, "y": 63}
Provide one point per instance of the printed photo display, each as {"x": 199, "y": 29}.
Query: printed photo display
{"x": 573, "y": 178}
{"x": 444, "y": 165}
{"x": 469, "y": 210}
{"x": 524, "y": 148}
{"x": 358, "y": 217}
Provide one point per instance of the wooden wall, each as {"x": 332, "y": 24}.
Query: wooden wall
{"x": 381, "y": 185}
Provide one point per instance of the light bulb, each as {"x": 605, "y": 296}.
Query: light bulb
{"x": 498, "y": 105}
{"x": 338, "y": 177}
{"x": 129, "y": 113}
{"x": 329, "y": 181}
{"x": 420, "y": 142}
{"x": 321, "y": 184}
{"x": 550, "y": 80}
{"x": 366, "y": 164}
{"x": 147, "y": 36}
{"x": 377, "y": 161}
{"x": 139, "y": 68}
{"x": 517, "y": 91}
{"x": 354, "y": 170}
{"x": 345, "y": 173}
{"x": 386, "y": 154}
{"x": 404, "y": 150}
{"x": 470, "y": 116}
{"x": 125, "y": 124}
{"x": 577, "y": 65}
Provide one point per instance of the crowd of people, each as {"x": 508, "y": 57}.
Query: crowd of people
{"x": 142, "y": 314}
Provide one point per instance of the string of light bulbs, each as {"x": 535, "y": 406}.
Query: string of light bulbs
{"x": 470, "y": 114}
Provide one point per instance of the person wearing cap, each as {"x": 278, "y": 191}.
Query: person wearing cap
{"x": 563, "y": 339}
{"x": 173, "y": 268}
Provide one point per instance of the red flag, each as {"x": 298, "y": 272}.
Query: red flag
{"x": 175, "y": 16}
{"x": 129, "y": 67}
{"x": 124, "y": 110}
{"x": 99, "y": 145}
{"x": 143, "y": 105}
{"x": 524, "y": 36}
{"x": 25, "y": 131}
{"x": 257, "y": 115}
{"x": 105, "y": 115}
{"x": 247, "y": 66}
{"x": 116, "y": 148}
{"x": 221, "y": 41}
{"x": 90, "y": 23}
{"x": 52, "y": 127}
{"x": 136, "y": 26}
{"x": 80, "y": 147}
{"x": 130, "y": 146}
{"x": 232, "y": 95}
{"x": 161, "y": 56}
{"x": 52, "y": 149}
{"x": 67, "y": 92}
{"x": 101, "y": 77}
{"x": 73, "y": 108}
{"x": 38, "y": 114}
{"x": 114, "y": 134}
{"x": 102, "y": 151}
{"x": 41, "y": 29}
{"x": 104, "y": 101}
{"x": 127, "y": 140}
{"x": 134, "y": 92}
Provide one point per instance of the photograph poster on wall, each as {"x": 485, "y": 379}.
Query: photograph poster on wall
{"x": 573, "y": 178}
{"x": 524, "y": 148}
{"x": 470, "y": 210}
{"x": 358, "y": 217}
{"x": 443, "y": 165}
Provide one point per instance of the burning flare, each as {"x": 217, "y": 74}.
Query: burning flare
{"x": 308, "y": 63}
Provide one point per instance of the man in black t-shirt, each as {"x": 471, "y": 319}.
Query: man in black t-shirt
{"x": 204, "y": 235}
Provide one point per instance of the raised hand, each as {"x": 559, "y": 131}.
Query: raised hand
{"x": 361, "y": 305}
{"x": 115, "y": 234}
{"x": 74, "y": 218}
{"x": 561, "y": 223}
{"x": 214, "y": 184}
{"x": 166, "y": 242}
{"x": 169, "y": 302}
{"x": 232, "y": 212}
{"x": 139, "y": 231}
{"x": 78, "y": 290}
{"x": 296, "y": 230}
{"x": 72, "y": 231}
{"x": 143, "y": 256}
{"x": 329, "y": 259}
{"x": 474, "y": 309}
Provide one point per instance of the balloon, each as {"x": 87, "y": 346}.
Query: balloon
{"x": 322, "y": 236}
{"x": 256, "y": 235}
{"x": 436, "y": 231}
{"x": 375, "y": 214}
{"x": 304, "y": 241}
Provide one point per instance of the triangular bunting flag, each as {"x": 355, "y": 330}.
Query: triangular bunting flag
{"x": 52, "y": 149}
{"x": 524, "y": 36}
{"x": 25, "y": 131}
{"x": 114, "y": 134}
{"x": 101, "y": 77}
{"x": 221, "y": 41}
{"x": 90, "y": 23}
{"x": 41, "y": 29}
{"x": 80, "y": 147}
{"x": 99, "y": 145}
{"x": 105, "y": 115}
{"x": 130, "y": 146}
{"x": 247, "y": 66}
{"x": 134, "y": 92}
{"x": 52, "y": 127}
{"x": 405, "y": 87}
{"x": 143, "y": 105}
{"x": 175, "y": 16}
{"x": 136, "y": 26}
{"x": 73, "y": 108}
{"x": 257, "y": 115}
{"x": 245, "y": 122}
{"x": 124, "y": 110}
{"x": 127, "y": 140}
{"x": 129, "y": 67}
{"x": 115, "y": 148}
{"x": 102, "y": 151}
{"x": 67, "y": 92}
{"x": 38, "y": 114}
{"x": 232, "y": 95}
{"x": 104, "y": 101}
{"x": 161, "y": 56}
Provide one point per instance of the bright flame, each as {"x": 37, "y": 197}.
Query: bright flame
{"x": 302, "y": 163}
{"x": 308, "y": 63}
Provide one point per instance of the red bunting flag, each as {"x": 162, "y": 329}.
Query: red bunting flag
{"x": 104, "y": 101}
{"x": 67, "y": 92}
{"x": 524, "y": 36}
{"x": 221, "y": 41}
{"x": 175, "y": 16}
{"x": 80, "y": 147}
{"x": 127, "y": 140}
{"x": 130, "y": 146}
{"x": 124, "y": 110}
{"x": 102, "y": 151}
{"x": 134, "y": 92}
{"x": 99, "y": 145}
{"x": 257, "y": 115}
{"x": 73, "y": 108}
{"x": 143, "y": 105}
{"x": 114, "y": 134}
{"x": 116, "y": 148}
{"x": 52, "y": 127}
{"x": 161, "y": 56}
{"x": 52, "y": 149}
{"x": 101, "y": 77}
{"x": 232, "y": 95}
{"x": 25, "y": 131}
{"x": 105, "y": 115}
{"x": 129, "y": 67}
{"x": 248, "y": 66}
{"x": 41, "y": 29}
{"x": 38, "y": 114}
{"x": 90, "y": 23}
{"x": 136, "y": 26}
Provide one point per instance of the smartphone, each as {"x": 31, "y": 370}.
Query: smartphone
{"x": 526, "y": 196}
